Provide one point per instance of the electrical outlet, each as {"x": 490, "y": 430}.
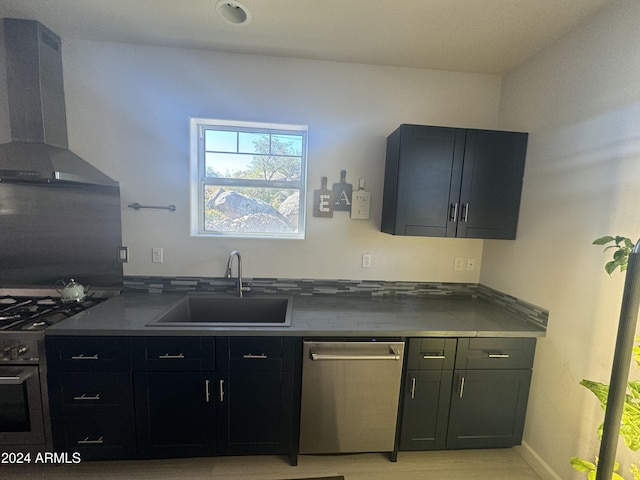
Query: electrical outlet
{"x": 471, "y": 264}
{"x": 458, "y": 264}
{"x": 366, "y": 260}
{"x": 123, "y": 254}
{"x": 157, "y": 255}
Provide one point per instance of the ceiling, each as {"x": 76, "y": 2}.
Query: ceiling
{"x": 483, "y": 36}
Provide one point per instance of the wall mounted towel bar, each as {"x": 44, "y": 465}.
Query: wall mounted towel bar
{"x": 137, "y": 206}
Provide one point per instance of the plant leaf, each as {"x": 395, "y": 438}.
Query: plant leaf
{"x": 582, "y": 465}
{"x": 600, "y": 390}
{"x": 603, "y": 240}
{"x": 585, "y": 466}
{"x": 610, "y": 267}
{"x": 622, "y": 248}
{"x": 630, "y": 421}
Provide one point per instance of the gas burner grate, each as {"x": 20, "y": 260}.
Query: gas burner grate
{"x": 37, "y": 313}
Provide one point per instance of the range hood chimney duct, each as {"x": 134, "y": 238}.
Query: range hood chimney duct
{"x": 38, "y": 150}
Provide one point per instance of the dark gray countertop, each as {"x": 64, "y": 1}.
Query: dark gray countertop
{"x": 319, "y": 315}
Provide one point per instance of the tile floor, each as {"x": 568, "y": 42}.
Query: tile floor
{"x": 498, "y": 464}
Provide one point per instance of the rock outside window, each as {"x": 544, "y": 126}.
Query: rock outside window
{"x": 248, "y": 179}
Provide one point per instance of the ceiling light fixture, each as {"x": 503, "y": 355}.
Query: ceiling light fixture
{"x": 233, "y": 12}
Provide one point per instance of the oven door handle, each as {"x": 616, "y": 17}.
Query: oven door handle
{"x": 15, "y": 376}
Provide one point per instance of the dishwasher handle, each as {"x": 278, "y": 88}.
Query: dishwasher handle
{"x": 392, "y": 355}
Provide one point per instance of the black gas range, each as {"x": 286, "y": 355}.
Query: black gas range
{"x": 26, "y": 313}
{"x": 35, "y": 313}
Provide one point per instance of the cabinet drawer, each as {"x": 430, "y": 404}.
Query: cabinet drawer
{"x": 431, "y": 353}
{"x": 97, "y": 436}
{"x": 87, "y": 391}
{"x": 173, "y": 353}
{"x": 88, "y": 354}
{"x": 495, "y": 353}
{"x": 255, "y": 353}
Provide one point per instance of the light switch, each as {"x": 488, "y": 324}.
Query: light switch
{"x": 157, "y": 255}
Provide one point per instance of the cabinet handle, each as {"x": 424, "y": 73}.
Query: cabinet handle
{"x": 252, "y": 355}
{"x": 82, "y": 356}
{"x": 453, "y": 212}
{"x": 413, "y": 387}
{"x": 84, "y": 396}
{"x": 86, "y": 441}
{"x": 498, "y": 355}
{"x": 465, "y": 212}
{"x": 461, "y": 386}
{"x": 207, "y": 391}
{"x": 168, "y": 356}
{"x": 433, "y": 356}
{"x": 222, "y": 390}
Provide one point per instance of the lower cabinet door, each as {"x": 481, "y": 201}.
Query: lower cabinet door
{"x": 175, "y": 413}
{"x": 488, "y": 408}
{"x": 255, "y": 413}
{"x": 425, "y": 409}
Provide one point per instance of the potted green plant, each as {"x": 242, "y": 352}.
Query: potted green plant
{"x": 630, "y": 422}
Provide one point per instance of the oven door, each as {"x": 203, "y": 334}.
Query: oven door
{"x": 21, "y": 417}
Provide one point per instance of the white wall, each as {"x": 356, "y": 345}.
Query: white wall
{"x": 580, "y": 102}
{"x": 129, "y": 106}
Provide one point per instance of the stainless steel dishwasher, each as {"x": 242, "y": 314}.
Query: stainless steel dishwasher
{"x": 350, "y": 395}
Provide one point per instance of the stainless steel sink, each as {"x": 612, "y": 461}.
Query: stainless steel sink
{"x": 217, "y": 311}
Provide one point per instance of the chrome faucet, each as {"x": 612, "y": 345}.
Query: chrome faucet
{"x": 236, "y": 253}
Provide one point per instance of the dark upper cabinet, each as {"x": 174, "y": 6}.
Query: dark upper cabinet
{"x": 453, "y": 182}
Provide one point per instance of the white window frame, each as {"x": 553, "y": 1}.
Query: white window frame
{"x": 199, "y": 180}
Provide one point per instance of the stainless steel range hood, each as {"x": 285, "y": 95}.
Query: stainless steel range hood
{"x": 38, "y": 150}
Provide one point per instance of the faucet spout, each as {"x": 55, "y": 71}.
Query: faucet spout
{"x": 236, "y": 253}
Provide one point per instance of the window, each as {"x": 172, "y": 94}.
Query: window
{"x": 248, "y": 179}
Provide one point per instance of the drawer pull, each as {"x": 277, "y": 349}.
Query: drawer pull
{"x": 168, "y": 356}
{"x": 433, "y": 356}
{"x": 84, "y": 396}
{"x": 254, "y": 356}
{"x": 82, "y": 356}
{"x": 498, "y": 355}
{"x": 86, "y": 441}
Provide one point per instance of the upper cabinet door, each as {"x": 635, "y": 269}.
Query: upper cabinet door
{"x": 491, "y": 184}
{"x": 423, "y": 171}
{"x": 452, "y": 182}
